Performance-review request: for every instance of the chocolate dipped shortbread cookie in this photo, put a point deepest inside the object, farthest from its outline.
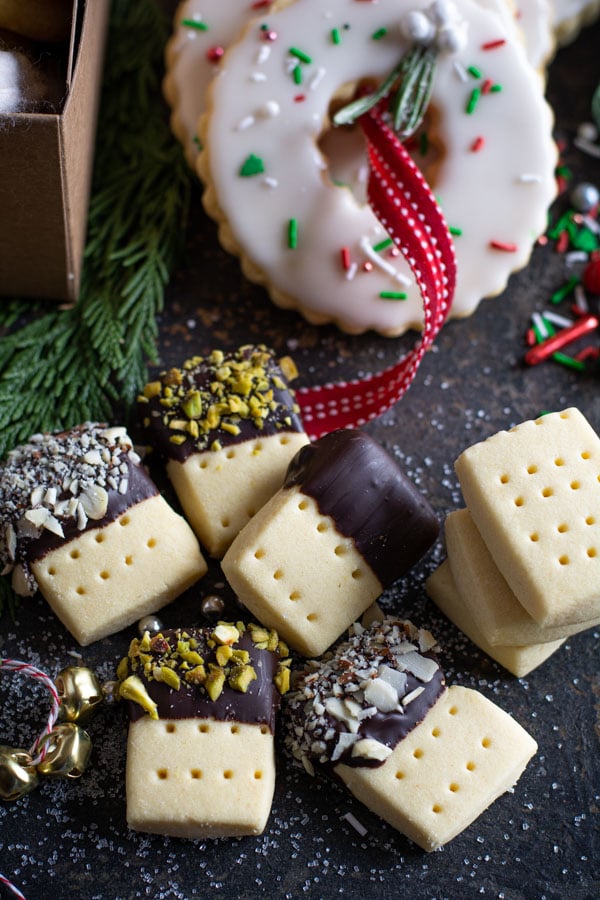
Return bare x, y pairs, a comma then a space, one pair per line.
377, 716
83, 522
345, 525
202, 708
227, 426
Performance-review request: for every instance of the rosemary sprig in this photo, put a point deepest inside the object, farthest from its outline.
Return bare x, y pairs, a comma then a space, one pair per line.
409, 86
62, 367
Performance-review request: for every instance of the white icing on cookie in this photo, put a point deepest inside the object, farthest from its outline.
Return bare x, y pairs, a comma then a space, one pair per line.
270, 106
202, 30
535, 19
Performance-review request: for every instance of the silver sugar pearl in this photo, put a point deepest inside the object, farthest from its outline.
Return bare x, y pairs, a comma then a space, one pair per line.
587, 131
151, 624
584, 196
212, 606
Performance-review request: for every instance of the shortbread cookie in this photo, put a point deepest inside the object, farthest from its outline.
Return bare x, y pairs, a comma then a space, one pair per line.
520, 660
570, 16
495, 610
345, 525
534, 495
202, 31
82, 521
317, 246
200, 752
377, 716
227, 426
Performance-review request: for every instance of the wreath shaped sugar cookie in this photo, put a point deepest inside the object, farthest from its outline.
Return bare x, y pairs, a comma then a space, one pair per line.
314, 243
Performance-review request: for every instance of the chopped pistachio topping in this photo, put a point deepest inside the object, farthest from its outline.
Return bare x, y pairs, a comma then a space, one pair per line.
218, 393
175, 659
132, 688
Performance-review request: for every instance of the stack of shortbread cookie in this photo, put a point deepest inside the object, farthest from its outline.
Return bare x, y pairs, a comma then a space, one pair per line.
523, 559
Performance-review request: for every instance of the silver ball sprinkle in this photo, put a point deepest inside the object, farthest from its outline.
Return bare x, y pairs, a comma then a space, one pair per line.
587, 131
212, 606
151, 624
585, 196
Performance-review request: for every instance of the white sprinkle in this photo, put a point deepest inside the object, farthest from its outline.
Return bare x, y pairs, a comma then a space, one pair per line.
353, 269
587, 146
263, 54
258, 76
460, 70
358, 826
270, 182
591, 224
245, 123
387, 267
529, 178
315, 80
540, 324
581, 301
576, 256
557, 319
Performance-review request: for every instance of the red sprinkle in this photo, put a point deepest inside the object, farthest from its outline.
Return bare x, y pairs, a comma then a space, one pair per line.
367, 266
563, 337
299, 98
477, 144
270, 35
214, 54
261, 4
487, 85
506, 246
562, 244
588, 353
493, 45
345, 255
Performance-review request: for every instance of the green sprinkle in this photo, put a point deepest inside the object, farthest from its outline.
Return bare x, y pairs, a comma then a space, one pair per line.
473, 100
297, 73
456, 232
383, 245
252, 165
393, 295
301, 55
293, 234
380, 33
495, 89
474, 71
423, 143
568, 361
336, 36
565, 290
194, 23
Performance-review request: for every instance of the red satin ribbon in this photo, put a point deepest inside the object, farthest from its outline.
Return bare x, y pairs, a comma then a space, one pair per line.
404, 204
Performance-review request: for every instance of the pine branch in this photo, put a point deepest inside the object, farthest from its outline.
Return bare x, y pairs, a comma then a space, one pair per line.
62, 367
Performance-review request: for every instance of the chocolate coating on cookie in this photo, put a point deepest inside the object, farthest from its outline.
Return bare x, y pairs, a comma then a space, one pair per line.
215, 401
353, 480
356, 705
58, 485
179, 651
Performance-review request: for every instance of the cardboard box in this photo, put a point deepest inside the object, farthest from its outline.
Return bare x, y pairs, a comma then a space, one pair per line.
45, 173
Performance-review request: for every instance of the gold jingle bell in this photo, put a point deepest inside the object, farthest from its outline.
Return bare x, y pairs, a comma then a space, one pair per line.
68, 749
17, 776
80, 693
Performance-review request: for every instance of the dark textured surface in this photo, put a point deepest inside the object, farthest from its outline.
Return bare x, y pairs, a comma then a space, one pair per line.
69, 840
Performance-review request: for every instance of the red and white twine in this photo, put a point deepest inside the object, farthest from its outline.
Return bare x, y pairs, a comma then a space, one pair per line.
36, 752
404, 204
